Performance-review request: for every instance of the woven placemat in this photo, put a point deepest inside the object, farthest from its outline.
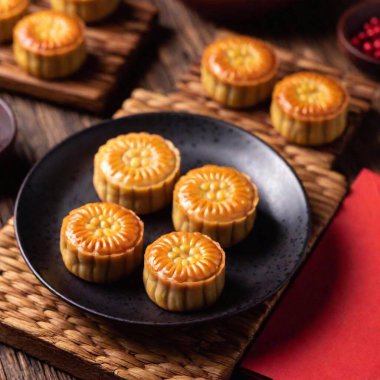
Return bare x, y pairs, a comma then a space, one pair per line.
33, 319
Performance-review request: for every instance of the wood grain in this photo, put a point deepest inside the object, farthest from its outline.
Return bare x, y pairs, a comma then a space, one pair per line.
180, 40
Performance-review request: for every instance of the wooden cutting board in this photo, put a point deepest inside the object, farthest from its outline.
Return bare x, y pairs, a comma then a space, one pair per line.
112, 48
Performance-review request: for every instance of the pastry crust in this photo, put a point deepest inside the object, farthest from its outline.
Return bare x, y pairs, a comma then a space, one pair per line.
49, 44
217, 201
88, 10
309, 108
101, 242
138, 171
10, 12
239, 71
184, 271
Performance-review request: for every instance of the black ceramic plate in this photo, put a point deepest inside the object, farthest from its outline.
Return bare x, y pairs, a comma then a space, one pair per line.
256, 268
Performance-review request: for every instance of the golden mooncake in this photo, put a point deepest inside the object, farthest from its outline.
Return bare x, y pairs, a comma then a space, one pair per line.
49, 44
309, 108
101, 242
137, 171
218, 201
238, 71
184, 271
88, 10
10, 12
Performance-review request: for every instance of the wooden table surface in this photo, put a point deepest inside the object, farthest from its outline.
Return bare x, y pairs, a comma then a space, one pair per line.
307, 27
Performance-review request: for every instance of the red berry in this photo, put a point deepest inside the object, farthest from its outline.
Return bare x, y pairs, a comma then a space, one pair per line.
355, 41
362, 36
370, 32
376, 54
376, 44
367, 26
376, 30
367, 46
374, 21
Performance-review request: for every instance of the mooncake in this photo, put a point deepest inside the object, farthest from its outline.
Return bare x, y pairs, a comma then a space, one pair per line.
217, 201
184, 271
138, 171
101, 242
49, 44
238, 71
88, 10
10, 12
309, 108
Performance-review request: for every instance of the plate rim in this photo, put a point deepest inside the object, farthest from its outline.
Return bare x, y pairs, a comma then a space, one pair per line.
125, 321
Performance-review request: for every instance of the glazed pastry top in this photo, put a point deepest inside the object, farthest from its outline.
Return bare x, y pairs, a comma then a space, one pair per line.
240, 60
8, 8
185, 257
138, 159
49, 32
309, 95
102, 228
216, 193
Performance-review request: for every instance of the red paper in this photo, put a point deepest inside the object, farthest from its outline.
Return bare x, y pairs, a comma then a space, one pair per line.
327, 326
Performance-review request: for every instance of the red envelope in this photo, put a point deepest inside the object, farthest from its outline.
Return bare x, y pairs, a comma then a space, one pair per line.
327, 326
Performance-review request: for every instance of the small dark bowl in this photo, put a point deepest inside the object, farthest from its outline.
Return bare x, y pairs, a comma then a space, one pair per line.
7, 129
349, 24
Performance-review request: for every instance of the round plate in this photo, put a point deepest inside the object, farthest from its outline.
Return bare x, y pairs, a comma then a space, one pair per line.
256, 268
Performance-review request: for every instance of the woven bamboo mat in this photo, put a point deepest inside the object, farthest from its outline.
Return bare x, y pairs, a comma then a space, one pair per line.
33, 319
112, 48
